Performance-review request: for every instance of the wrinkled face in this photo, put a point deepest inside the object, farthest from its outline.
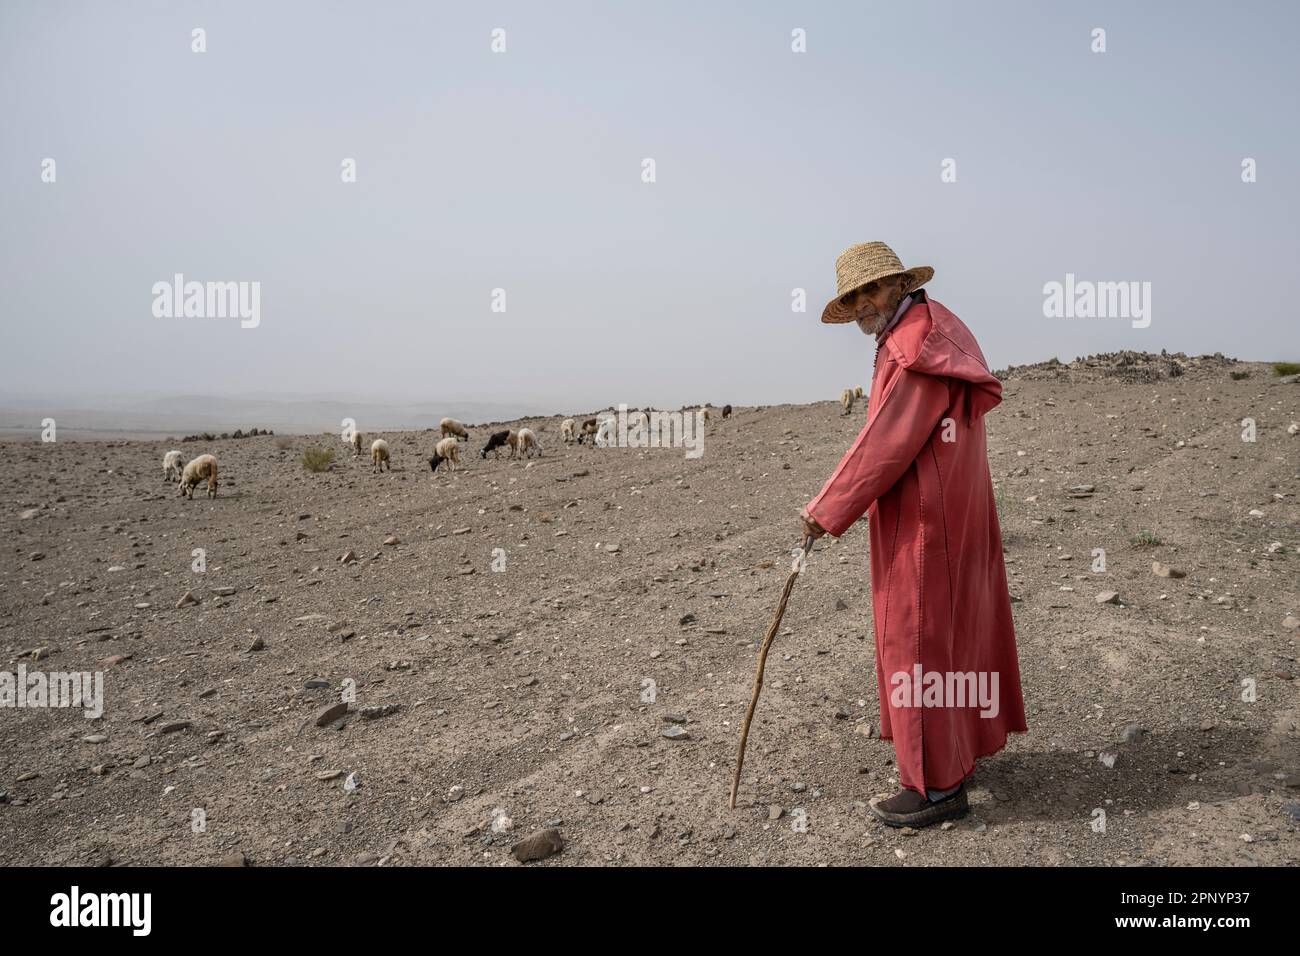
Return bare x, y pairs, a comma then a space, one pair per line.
873, 305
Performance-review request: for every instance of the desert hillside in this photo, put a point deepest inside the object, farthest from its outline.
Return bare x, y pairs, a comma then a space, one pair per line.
596, 683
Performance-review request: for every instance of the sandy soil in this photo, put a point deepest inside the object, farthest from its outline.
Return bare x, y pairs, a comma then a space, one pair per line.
520, 694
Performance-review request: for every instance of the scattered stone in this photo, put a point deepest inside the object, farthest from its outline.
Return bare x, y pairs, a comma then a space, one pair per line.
392, 539
187, 599
257, 645
330, 713
234, 859
1131, 732
349, 557
1108, 597
223, 592
1165, 571
774, 812
538, 846
675, 732
175, 726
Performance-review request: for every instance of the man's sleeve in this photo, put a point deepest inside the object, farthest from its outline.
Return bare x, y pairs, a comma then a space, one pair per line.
909, 412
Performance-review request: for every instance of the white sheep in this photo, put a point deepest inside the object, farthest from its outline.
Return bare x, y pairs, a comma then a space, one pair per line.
449, 426
568, 430
379, 455
846, 399
605, 432
528, 443
857, 391
448, 450
203, 467
172, 465
356, 444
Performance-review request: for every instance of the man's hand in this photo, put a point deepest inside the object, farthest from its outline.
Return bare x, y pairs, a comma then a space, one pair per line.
811, 529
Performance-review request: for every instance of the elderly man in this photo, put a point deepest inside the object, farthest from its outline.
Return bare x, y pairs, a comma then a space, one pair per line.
946, 667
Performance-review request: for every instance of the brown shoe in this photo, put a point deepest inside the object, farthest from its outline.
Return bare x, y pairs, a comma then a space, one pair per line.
907, 808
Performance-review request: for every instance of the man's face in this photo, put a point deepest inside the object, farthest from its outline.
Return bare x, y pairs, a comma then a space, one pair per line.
873, 305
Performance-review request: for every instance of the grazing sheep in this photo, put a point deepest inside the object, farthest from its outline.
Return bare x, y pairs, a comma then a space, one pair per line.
588, 429
356, 444
707, 412
379, 455
449, 426
203, 467
448, 450
496, 441
528, 443
726, 411
857, 392
568, 430
605, 435
846, 399
172, 465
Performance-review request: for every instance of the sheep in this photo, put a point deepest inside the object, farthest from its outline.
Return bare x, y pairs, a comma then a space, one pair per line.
172, 465
846, 399
588, 429
605, 436
528, 443
495, 443
379, 455
205, 466
448, 450
356, 444
707, 413
567, 430
726, 411
449, 426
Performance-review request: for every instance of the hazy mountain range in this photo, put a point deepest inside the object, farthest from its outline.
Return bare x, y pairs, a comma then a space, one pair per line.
181, 415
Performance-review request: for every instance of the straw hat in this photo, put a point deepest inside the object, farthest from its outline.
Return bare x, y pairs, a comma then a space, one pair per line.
859, 265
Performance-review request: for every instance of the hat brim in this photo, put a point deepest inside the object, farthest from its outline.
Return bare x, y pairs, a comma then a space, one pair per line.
837, 310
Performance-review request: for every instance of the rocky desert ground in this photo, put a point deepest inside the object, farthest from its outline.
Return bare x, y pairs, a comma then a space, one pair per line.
569, 643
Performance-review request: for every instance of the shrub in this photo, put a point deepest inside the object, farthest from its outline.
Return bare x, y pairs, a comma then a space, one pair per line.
1286, 368
284, 444
1147, 539
317, 459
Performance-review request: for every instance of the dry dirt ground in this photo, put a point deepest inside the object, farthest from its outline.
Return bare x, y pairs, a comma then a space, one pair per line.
522, 694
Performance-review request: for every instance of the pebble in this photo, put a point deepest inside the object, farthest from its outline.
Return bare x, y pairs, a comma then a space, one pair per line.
330, 713
187, 599
1108, 597
538, 846
676, 732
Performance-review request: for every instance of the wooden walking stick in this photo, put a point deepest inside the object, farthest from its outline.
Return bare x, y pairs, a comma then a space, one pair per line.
762, 660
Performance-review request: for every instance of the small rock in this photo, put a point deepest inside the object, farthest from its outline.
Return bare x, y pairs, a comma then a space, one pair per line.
330, 713
1108, 597
538, 846
187, 599
675, 732
1165, 571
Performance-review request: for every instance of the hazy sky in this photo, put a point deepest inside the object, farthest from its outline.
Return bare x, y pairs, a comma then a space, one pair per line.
523, 171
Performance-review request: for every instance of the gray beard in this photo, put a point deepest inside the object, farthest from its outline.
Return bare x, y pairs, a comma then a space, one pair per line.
872, 326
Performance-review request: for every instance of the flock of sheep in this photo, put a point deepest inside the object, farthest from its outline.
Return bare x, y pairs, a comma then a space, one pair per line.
522, 443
